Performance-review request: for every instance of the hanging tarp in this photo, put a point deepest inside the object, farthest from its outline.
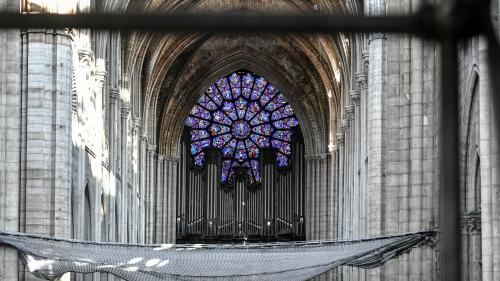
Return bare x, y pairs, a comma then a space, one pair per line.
50, 258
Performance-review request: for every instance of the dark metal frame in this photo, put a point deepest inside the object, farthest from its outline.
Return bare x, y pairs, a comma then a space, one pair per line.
448, 23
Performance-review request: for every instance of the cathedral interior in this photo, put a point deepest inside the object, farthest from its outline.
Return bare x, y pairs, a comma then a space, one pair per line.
148, 137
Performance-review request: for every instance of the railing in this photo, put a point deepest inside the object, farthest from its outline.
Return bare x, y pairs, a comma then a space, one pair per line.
447, 23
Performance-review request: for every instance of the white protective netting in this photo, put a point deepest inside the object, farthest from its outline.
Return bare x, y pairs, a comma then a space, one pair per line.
50, 258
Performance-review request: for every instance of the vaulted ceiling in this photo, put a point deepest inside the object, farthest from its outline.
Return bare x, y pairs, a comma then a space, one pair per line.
175, 68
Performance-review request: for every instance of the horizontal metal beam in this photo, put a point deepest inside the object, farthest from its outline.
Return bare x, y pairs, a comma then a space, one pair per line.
418, 24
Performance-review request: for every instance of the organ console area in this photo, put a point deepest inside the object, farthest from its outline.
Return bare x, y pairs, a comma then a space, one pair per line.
210, 211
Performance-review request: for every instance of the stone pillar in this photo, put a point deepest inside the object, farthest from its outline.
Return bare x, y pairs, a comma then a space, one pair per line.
341, 185
47, 132
114, 95
359, 98
10, 139
159, 200
136, 126
490, 171
142, 189
171, 172
150, 195
100, 79
124, 190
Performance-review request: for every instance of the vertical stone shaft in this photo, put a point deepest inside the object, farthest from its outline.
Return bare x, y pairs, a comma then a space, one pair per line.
10, 139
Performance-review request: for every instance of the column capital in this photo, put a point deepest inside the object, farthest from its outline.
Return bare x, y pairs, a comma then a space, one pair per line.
126, 109
152, 147
471, 222
136, 123
365, 55
344, 124
377, 36
100, 76
362, 79
340, 138
349, 110
355, 95
114, 93
85, 56
161, 157
144, 138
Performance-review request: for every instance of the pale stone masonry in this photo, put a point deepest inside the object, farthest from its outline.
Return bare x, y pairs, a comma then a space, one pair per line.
91, 125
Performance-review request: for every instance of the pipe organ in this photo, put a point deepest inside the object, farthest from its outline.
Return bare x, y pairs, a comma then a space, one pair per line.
209, 211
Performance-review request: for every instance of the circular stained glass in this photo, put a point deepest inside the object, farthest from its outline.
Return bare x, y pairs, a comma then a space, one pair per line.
241, 113
241, 129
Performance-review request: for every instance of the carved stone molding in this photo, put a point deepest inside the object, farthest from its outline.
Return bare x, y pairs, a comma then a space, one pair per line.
377, 36
340, 138
114, 93
355, 95
366, 59
471, 222
152, 149
160, 158
100, 77
344, 124
85, 56
349, 110
362, 79
136, 123
126, 109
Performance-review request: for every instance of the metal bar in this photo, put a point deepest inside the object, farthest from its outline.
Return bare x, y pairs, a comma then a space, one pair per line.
420, 23
449, 192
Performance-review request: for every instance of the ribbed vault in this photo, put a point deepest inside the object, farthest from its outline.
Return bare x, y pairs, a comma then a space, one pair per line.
176, 68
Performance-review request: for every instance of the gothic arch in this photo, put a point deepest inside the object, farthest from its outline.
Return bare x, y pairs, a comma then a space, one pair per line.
177, 112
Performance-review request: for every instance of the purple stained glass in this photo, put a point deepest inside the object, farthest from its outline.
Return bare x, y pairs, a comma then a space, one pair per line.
241, 113
199, 134
221, 117
283, 135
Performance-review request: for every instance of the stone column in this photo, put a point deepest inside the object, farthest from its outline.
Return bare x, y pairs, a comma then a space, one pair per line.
172, 168
124, 190
376, 87
136, 126
159, 200
150, 194
359, 97
341, 185
47, 132
10, 139
114, 95
142, 189
100, 79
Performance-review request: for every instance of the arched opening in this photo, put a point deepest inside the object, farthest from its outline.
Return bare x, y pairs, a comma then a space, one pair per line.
87, 221
242, 154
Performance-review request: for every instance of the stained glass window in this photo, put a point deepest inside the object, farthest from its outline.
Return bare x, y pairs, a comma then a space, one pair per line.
240, 114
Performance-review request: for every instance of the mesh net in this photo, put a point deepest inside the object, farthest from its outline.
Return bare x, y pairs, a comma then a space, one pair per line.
50, 258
